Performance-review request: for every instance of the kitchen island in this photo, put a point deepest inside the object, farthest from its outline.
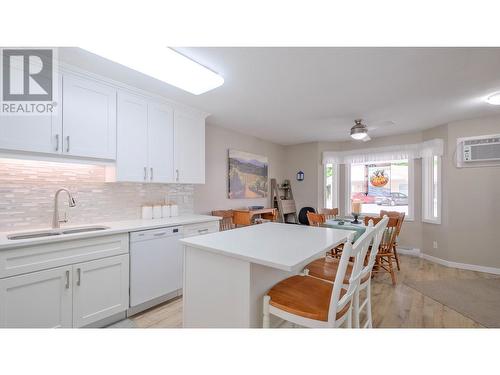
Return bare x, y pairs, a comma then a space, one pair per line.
226, 274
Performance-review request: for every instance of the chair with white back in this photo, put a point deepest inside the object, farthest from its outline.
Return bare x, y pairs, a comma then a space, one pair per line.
315, 303
366, 273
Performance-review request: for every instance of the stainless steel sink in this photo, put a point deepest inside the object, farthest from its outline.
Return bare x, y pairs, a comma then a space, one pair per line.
83, 229
25, 236
55, 232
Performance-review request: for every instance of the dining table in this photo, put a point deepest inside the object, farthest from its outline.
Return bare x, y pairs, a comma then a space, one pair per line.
346, 224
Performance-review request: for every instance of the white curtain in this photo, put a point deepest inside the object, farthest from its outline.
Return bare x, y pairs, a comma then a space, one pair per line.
434, 147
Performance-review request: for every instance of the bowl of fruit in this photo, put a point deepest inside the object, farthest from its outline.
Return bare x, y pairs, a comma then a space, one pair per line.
379, 179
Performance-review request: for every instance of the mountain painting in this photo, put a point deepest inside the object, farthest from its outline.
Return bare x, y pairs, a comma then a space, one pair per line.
247, 175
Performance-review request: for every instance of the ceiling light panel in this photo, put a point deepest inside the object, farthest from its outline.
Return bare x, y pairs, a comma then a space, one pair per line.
164, 64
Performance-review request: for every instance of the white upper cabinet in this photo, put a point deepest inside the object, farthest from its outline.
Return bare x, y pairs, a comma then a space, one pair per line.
145, 151
132, 139
89, 118
35, 133
161, 143
189, 148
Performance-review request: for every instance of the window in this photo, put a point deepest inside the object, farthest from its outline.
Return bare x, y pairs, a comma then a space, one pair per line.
381, 186
431, 189
331, 199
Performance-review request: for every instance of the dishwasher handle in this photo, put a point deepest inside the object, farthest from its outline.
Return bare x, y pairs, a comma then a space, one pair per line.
158, 233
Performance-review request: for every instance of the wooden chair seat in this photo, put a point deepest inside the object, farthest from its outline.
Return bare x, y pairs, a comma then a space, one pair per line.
326, 269
305, 296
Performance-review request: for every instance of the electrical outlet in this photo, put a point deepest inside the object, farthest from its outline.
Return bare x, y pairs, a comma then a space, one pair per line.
435, 244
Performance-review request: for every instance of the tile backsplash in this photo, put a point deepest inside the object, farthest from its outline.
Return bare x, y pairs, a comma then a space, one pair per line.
27, 194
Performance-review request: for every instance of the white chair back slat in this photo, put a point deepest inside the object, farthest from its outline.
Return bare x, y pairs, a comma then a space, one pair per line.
358, 251
379, 234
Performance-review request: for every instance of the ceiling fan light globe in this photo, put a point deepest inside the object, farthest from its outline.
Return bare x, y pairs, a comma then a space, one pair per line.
494, 99
358, 136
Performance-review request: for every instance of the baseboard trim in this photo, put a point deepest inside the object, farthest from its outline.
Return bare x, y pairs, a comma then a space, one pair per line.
414, 252
462, 266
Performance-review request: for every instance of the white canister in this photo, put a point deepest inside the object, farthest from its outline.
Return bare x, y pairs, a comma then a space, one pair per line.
174, 210
156, 211
165, 211
147, 212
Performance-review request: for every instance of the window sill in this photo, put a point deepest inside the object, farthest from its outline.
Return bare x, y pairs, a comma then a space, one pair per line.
429, 221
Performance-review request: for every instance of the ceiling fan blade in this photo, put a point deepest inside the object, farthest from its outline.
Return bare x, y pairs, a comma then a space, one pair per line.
381, 124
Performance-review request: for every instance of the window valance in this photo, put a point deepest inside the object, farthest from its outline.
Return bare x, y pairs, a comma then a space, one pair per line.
433, 147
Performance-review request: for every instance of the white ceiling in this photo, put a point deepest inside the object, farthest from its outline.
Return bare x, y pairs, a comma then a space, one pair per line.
295, 95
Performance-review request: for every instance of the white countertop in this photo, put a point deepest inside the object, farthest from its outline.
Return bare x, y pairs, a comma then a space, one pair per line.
114, 228
283, 246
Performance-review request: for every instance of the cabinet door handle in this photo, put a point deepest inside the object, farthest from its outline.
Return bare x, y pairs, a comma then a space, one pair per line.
151, 173
145, 173
67, 143
57, 142
67, 279
79, 275
202, 230
177, 175
160, 234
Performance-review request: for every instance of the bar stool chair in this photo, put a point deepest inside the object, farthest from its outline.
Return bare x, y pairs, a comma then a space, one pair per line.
315, 303
327, 269
366, 277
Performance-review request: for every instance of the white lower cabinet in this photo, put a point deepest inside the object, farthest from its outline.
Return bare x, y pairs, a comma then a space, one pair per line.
100, 289
69, 295
37, 300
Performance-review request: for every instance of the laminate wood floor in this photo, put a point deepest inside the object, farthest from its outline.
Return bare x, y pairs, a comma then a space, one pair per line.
393, 306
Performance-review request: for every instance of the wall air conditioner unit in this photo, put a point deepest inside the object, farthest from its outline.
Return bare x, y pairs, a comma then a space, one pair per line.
478, 151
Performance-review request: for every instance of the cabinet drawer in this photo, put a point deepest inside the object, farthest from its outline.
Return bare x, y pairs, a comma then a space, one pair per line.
201, 228
39, 257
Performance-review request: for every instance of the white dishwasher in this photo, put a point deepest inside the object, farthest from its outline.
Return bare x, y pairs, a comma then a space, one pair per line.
156, 264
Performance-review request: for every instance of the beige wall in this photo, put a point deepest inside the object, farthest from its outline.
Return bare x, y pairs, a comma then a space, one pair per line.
471, 202
304, 157
213, 195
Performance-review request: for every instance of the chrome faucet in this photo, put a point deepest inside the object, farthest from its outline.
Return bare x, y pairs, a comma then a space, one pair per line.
72, 203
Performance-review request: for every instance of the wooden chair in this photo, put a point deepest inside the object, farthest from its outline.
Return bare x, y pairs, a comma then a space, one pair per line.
315, 303
326, 269
227, 219
315, 219
395, 214
385, 254
329, 213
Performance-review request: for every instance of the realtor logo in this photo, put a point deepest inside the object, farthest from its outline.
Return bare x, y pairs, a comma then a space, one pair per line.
28, 81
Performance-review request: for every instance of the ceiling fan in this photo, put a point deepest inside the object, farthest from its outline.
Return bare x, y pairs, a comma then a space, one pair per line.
359, 131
